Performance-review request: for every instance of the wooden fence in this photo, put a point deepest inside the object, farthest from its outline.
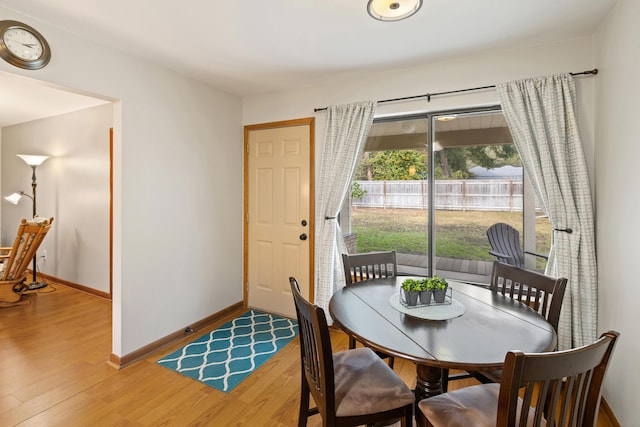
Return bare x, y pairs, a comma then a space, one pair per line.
469, 194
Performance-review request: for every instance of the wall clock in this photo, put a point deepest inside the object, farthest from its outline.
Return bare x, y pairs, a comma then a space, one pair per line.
23, 46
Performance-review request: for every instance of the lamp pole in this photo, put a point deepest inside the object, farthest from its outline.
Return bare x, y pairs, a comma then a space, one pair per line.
34, 283
34, 162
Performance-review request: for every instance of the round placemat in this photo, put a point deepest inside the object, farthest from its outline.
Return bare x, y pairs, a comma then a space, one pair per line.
430, 312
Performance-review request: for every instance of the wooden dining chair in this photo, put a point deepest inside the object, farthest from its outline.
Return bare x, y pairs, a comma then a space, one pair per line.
367, 266
542, 293
350, 388
535, 388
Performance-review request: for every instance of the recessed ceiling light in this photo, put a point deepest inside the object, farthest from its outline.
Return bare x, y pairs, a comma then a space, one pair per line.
446, 118
393, 10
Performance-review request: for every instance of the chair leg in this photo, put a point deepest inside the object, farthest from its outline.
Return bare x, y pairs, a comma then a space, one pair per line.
421, 420
408, 418
445, 379
304, 403
391, 361
352, 343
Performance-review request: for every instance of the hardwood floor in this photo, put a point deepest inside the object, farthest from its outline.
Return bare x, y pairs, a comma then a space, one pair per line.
55, 373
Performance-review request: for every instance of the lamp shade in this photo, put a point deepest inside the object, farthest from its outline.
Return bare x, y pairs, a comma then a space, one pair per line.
32, 160
393, 10
14, 198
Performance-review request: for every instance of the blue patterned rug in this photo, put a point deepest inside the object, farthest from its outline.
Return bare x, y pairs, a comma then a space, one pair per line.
227, 355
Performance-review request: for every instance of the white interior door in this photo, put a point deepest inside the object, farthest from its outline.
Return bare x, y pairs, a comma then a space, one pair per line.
279, 234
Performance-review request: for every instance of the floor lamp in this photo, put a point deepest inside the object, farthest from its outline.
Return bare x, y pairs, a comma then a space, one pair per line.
34, 162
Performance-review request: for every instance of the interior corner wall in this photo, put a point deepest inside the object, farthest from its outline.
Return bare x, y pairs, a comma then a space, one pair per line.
618, 200
72, 187
178, 185
497, 66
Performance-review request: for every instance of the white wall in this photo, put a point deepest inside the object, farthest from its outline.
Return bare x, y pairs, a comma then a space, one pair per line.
73, 187
482, 69
618, 236
618, 200
178, 168
2, 233
177, 186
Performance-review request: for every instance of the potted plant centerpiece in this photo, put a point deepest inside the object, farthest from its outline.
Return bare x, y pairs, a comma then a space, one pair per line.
411, 289
439, 287
424, 291
415, 289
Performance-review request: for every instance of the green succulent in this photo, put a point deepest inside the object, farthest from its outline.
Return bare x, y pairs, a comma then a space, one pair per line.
414, 285
410, 285
437, 283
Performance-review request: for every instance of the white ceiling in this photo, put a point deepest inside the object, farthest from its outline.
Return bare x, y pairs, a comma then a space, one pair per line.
254, 46
25, 99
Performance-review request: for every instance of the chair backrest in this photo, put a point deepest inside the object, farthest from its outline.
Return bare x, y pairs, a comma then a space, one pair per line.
28, 238
542, 293
370, 265
315, 352
505, 244
564, 385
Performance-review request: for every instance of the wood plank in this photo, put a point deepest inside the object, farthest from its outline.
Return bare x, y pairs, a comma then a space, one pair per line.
55, 373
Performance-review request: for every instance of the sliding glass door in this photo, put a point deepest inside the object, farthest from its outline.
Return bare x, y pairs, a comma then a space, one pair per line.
429, 186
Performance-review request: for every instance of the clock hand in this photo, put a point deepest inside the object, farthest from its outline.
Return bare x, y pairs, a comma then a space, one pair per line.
30, 45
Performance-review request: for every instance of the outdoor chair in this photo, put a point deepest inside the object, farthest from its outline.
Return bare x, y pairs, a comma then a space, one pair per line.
536, 388
28, 238
542, 293
505, 245
350, 388
367, 266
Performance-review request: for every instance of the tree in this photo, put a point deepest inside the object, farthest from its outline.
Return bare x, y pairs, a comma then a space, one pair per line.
455, 162
449, 163
493, 156
392, 165
357, 192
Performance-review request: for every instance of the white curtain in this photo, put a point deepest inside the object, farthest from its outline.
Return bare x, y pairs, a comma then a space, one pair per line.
541, 115
347, 129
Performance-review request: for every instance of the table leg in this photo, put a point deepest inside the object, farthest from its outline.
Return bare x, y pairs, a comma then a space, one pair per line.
428, 382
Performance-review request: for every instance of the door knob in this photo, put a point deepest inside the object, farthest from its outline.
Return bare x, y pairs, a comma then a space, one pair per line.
303, 236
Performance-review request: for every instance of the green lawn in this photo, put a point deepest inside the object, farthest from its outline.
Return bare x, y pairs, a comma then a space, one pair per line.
459, 234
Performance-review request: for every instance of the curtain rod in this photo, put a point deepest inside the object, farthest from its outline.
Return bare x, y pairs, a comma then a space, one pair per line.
429, 95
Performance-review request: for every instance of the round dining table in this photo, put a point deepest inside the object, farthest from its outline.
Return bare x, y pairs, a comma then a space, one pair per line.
489, 326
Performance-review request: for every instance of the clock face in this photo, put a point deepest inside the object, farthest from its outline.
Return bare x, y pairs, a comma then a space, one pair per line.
23, 46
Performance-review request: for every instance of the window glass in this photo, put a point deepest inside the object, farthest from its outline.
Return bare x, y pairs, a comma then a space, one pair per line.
429, 187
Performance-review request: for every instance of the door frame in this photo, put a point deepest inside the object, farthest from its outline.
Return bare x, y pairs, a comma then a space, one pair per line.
111, 213
309, 121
